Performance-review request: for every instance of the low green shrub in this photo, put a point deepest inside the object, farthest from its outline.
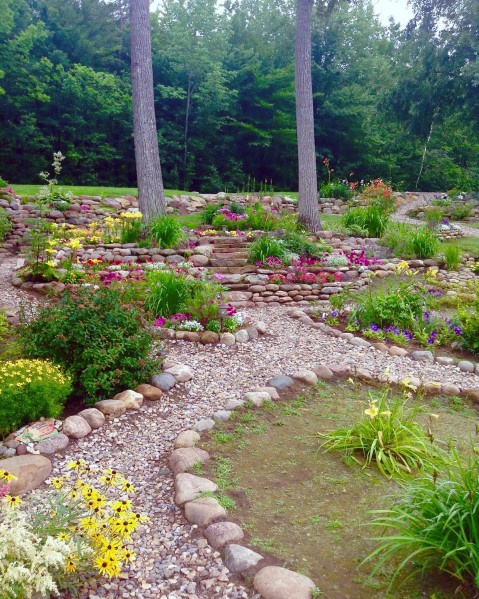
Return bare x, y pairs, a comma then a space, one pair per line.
435, 525
166, 231
30, 389
433, 216
203, 304
297, 243
469, 322
452, 256
335, 189
101, 341
424, 243
398, 238
372, 219
264, 247
167, 292
461, 212
209, 212
400, 306
5, 224
388, 435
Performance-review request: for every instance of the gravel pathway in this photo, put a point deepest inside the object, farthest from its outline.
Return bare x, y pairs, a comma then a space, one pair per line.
173, 560
424, 199
11, 298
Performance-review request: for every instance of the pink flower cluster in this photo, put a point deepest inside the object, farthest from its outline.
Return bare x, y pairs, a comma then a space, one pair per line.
361, 259
232, 215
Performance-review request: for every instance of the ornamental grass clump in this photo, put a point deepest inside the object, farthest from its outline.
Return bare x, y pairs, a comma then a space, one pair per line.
435, 526
167, 292
388, 435
265, 247
102, 341
30, 389
166, 231
82, 528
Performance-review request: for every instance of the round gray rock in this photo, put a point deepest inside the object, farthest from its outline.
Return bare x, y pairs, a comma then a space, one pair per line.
222, 415
204, 511
187, 439
94, 417
238, 558
274, 582
281, 382
466, 366
186, 457
189, 487
257, 398
76, 427
204, 425
422, 356
164, 381
111, 407
220, 534
53, 444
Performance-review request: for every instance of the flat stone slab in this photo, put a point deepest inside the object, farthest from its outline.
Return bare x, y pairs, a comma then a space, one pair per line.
31, 471
186, 457
281, 382
274, 582
238, 558
187, 439
222, 533
189, 487
204, 511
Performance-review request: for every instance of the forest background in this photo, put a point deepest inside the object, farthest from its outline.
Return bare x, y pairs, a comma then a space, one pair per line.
224, 94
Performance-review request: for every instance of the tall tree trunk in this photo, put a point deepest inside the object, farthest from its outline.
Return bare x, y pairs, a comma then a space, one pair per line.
423, 159
308, 184
185, 138
151, 195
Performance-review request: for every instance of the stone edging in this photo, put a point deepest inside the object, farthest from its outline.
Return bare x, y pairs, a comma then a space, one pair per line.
392, 350
209, 515
243, 335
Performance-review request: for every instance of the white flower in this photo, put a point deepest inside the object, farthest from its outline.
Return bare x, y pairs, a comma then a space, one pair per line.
192, 325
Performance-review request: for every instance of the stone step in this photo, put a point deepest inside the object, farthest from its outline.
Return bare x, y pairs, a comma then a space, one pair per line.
234, 269
229, 255
228, 262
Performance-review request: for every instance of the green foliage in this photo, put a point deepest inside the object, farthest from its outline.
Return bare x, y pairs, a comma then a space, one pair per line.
30, 389
469, 321
202, 305
335, 189
371, 219
424, 243
452, 256
266, 246
5, 224
387, 435
167, 292
166, 231
209, 212
297, 243
434, 526
408, 242
433, 217
399, 306
101, 341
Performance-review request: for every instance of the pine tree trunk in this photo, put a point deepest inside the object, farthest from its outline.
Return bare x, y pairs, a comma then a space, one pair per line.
307, 178
151, 195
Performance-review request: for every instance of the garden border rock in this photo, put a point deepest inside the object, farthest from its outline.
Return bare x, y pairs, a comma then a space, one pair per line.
214, 517
392, 350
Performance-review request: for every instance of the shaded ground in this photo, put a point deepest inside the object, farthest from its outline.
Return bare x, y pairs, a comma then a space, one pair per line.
310, 508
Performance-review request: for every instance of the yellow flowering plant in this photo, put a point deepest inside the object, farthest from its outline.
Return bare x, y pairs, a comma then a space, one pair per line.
387, 434
89, 518
30, 389
131, 225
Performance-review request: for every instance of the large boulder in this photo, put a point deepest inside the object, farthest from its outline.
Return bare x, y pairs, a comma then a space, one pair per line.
31, 471
76, 427
274, 582
189, 487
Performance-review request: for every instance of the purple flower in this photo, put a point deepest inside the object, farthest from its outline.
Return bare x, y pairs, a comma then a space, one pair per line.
219, 277
458, 330
84, 207
159, 322
426, 315
408, 335
374, 327
333, 314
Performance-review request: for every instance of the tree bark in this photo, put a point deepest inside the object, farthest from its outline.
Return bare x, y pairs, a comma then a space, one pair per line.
307, 177
151, 195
